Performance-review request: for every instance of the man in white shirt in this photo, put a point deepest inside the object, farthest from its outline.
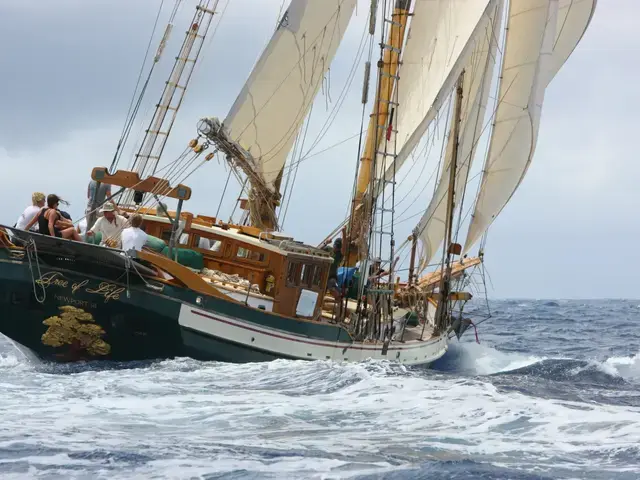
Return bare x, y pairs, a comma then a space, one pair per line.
31, 211
133, 237
110, 225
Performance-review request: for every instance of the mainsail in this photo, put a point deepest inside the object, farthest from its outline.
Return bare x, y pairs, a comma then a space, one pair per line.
278, 94
476, 86
439, 44
540, 37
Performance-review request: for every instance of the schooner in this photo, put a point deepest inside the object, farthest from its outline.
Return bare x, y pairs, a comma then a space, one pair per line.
243, 290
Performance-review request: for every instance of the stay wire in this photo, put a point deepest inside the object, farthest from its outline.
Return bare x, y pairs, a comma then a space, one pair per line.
131, 116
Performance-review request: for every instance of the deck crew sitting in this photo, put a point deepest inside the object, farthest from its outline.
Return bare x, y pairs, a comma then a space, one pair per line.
133, 237
30, 212
110, 225
52, 222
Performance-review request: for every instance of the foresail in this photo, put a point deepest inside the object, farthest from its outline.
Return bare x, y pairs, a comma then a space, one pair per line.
438, 46
276, 98
574, 17
475, 91
540, 37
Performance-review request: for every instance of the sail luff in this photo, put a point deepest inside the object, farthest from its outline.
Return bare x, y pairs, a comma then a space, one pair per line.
514, 137
480, 65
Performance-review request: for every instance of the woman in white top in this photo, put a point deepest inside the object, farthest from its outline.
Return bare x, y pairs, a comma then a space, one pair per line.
30, 212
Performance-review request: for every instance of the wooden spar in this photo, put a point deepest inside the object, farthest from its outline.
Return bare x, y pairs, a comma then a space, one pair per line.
387, 76
443, 306
433, 278
158, 186
412, 261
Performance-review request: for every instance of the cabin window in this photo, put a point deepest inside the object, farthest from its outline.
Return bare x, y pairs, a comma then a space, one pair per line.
252, 255
166, 235
201, 242
212, 245
292, 274
306, 275
215, 246
317, 276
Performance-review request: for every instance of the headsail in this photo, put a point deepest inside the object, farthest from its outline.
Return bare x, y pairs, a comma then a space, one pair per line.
477, 81
541, 35
276, 98
439, 43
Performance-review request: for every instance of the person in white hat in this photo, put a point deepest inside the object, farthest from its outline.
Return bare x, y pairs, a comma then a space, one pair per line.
110, 225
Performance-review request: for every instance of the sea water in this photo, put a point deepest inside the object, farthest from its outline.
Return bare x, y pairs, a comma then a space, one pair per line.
551, 391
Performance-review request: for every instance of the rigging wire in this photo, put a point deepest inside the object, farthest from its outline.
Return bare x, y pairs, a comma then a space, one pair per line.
224, 190
131, 115
294, 164
312, 44
295, 174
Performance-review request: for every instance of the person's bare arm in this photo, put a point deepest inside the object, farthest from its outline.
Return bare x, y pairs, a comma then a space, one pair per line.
95, 227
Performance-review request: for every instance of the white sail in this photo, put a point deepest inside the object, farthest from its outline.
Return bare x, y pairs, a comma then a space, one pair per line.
541, 35
476, 87
276, 98
438, 46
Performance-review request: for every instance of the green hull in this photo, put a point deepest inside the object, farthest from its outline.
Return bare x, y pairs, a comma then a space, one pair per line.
71, 311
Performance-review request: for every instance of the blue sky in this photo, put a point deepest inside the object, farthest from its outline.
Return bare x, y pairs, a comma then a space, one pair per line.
67, 83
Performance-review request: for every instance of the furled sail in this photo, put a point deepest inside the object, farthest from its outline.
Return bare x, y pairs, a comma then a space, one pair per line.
476, 87
276, 98
439, 43
540, 37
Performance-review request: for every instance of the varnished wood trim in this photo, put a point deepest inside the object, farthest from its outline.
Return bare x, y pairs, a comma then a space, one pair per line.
123, 178
191, 280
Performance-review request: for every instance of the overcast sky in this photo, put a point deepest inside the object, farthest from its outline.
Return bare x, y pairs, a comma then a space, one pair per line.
69, 68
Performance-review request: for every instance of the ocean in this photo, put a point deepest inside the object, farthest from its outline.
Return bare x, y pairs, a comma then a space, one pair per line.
552, 391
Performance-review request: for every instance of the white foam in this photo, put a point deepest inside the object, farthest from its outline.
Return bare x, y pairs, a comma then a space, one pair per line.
483, 359
8, 360
626, 367
306, 419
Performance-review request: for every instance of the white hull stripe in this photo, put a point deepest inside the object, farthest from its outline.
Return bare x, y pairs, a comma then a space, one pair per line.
280, 343
297, 338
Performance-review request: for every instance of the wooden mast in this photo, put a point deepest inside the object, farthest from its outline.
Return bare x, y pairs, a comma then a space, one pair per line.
445, 280
378, 122
412, 261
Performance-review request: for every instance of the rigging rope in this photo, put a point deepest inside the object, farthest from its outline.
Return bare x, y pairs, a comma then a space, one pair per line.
131, 114
224, 190
31, 245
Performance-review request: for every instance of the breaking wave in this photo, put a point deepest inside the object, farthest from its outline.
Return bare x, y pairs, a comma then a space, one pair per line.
522, 404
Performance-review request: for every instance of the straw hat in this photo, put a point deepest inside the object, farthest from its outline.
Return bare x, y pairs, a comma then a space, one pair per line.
108, 207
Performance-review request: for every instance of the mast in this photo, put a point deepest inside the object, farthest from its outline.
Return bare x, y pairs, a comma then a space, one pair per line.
379, 123
442, 310
412, 262
156, 135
